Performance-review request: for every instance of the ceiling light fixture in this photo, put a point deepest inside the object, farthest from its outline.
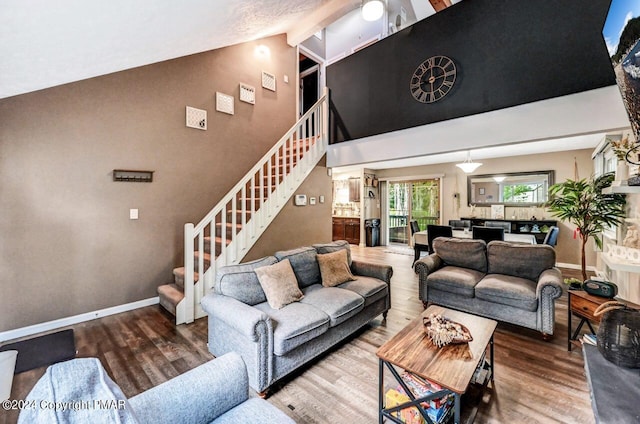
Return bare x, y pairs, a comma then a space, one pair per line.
468, 166
372, 10
499, 179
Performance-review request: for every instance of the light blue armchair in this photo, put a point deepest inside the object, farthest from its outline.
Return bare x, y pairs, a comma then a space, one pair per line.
80, 391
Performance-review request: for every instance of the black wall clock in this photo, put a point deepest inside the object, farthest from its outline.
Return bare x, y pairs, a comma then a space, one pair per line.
433, 79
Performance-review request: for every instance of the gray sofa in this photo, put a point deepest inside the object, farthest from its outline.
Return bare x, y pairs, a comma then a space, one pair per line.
80, 391
276, 342
515, 283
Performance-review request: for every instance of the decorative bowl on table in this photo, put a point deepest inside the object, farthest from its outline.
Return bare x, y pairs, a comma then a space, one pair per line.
443, 331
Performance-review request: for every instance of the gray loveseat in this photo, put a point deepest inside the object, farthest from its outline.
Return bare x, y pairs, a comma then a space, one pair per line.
275, 342
509, 282
80, 391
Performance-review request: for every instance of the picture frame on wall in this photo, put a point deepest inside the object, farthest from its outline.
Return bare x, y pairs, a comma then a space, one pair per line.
497, 211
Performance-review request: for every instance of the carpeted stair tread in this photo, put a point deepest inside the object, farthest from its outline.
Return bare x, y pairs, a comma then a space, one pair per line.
170, 296
178, 276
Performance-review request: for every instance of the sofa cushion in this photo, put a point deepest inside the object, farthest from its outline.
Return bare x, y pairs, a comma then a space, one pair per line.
339, 304
294, 325
371, 289
241, 281
508, 290
454, 279
279, 284
466, 253
334, 268
323, 248
253, 411
75, 381
520, 260
304, 263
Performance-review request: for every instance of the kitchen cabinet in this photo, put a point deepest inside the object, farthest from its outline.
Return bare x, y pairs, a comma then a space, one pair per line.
346, 229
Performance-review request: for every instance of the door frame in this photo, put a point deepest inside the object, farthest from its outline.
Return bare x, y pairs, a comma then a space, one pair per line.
385, 205
322, 81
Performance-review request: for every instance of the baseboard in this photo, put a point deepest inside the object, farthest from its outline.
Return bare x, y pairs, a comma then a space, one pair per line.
64, 322
575, 266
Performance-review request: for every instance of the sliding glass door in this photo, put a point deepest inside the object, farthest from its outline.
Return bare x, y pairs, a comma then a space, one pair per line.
411, 200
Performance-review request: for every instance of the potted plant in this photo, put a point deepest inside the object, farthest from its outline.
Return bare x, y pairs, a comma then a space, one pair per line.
573, 283
620, 149
583, 204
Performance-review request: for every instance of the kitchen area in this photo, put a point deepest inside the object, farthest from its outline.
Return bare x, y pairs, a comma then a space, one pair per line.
356, 208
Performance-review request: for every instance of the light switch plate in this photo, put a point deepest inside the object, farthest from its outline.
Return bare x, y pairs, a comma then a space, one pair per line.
133, 213
312, 200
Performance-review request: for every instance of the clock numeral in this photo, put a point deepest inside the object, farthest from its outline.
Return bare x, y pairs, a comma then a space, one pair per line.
433, 79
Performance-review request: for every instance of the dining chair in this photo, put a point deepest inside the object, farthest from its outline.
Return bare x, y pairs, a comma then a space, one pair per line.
459, 224
434, 231
488, 233
415, 227
499, 224
417, 247
552, 236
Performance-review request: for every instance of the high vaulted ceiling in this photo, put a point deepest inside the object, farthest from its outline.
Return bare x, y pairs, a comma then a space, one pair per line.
44, 43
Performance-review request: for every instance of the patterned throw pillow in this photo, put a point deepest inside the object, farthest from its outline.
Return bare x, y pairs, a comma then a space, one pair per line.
279, 284
334, 268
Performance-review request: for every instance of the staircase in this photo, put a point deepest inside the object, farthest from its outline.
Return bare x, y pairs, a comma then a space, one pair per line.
230, 229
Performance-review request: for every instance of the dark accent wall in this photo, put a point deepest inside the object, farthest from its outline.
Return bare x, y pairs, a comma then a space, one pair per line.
507, 53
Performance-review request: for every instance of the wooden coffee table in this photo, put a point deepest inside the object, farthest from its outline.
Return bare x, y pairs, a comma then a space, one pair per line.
451, 366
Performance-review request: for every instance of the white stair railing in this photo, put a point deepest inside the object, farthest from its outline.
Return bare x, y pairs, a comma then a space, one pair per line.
232, 227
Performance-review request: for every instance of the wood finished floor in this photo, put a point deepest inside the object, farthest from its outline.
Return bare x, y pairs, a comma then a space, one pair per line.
536, 381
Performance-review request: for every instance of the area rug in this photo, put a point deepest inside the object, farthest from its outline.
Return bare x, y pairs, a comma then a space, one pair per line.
43, 351
400, 251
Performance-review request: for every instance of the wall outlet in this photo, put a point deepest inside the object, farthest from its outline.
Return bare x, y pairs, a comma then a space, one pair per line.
133, 213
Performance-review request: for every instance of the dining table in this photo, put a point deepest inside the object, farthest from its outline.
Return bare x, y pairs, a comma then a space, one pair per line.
420, 237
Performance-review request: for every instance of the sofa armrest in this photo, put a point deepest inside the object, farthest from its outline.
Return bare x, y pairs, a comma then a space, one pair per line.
549, 284
423, 267
242, 317
366, 269
197, 396
381, 272
548, 290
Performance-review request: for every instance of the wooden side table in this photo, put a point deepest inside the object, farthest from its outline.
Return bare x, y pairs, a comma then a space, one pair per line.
583, 305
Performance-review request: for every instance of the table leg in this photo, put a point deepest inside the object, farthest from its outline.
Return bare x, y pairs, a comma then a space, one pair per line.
380, 390
456, 408
569, 325
491, 353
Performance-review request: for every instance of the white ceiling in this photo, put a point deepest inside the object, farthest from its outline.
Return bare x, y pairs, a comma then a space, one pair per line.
45, 43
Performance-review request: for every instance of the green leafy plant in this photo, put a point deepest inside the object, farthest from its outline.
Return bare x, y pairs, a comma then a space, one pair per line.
583, 204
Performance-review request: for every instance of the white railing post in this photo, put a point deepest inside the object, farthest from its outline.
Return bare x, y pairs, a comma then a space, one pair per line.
298, 151
189, 297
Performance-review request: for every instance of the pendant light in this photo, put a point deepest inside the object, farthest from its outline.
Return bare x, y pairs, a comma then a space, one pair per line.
468, 166
372, 10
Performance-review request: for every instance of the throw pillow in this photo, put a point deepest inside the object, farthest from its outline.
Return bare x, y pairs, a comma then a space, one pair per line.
334, 268
279, 284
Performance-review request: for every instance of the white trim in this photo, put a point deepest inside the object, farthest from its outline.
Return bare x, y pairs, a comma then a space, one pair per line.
575, 266
413, 177
64, 322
